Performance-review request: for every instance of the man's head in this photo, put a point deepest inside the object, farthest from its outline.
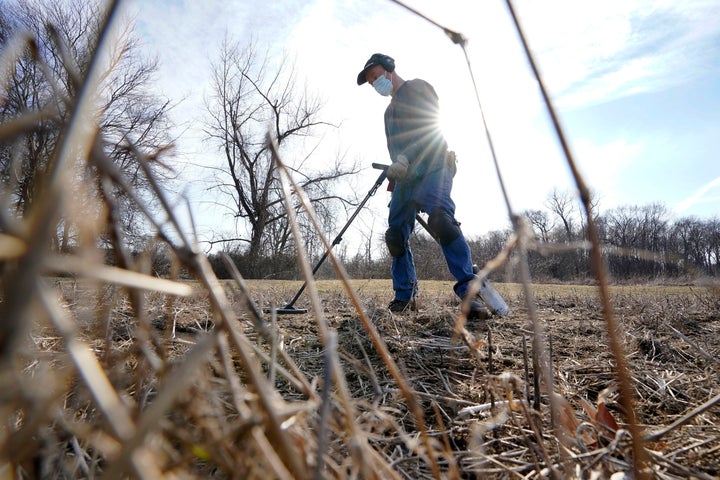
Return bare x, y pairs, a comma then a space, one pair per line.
377, 65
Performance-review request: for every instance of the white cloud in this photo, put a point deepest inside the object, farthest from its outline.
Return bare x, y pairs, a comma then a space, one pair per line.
594, 52
699, 197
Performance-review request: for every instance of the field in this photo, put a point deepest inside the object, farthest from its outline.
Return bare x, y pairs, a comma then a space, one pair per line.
108, 369
207, 399
670, 336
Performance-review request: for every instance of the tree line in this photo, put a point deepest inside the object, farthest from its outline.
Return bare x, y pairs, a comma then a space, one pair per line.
640, 243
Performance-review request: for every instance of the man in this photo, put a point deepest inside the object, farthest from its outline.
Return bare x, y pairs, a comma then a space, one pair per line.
422, 172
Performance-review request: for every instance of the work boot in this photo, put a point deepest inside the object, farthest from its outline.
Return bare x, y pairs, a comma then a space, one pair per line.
477, 311
400, 306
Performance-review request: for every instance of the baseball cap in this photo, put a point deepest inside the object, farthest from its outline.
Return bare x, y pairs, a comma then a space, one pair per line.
387, 62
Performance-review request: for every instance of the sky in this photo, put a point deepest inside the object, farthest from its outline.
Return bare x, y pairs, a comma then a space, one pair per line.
636, 84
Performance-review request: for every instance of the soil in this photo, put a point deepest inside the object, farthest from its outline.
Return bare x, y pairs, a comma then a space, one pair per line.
669, 338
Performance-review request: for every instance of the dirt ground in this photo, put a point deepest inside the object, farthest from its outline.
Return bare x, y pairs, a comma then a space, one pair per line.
480, 407
670, 336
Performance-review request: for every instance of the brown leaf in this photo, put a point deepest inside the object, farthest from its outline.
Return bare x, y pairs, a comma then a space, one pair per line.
590, 410
605, 419
566, 420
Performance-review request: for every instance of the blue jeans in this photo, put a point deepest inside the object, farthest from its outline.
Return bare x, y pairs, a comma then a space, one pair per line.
409, 198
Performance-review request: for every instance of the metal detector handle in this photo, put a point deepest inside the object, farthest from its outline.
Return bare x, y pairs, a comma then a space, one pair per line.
381, 178
338, 238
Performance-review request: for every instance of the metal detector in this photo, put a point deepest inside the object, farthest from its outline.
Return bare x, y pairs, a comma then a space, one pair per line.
290, 307
487, 292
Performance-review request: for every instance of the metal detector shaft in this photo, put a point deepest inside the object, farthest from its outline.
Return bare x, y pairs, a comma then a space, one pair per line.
338, 238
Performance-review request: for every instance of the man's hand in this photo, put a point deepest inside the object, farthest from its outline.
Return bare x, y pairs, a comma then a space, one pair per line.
399, 169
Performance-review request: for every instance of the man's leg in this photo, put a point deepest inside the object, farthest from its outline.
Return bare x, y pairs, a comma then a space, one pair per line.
401, 219
434, 198
403, 266
441, 210
454, 248
458, 258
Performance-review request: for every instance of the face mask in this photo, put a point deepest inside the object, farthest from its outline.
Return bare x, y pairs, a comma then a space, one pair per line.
383, 85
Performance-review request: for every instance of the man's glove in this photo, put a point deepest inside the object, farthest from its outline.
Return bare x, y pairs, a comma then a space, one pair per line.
399, 169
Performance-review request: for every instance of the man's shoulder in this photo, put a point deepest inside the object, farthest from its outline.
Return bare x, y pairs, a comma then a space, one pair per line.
418, 85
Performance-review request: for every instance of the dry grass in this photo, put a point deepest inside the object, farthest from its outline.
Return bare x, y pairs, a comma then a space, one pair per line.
216, 425
111, 372
476, 390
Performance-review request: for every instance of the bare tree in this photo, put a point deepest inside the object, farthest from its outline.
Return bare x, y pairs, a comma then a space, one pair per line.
713, 235
641, 234
249, 96
541, 223
562, 204
573, 262
624, 231
691, 239
45, 78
